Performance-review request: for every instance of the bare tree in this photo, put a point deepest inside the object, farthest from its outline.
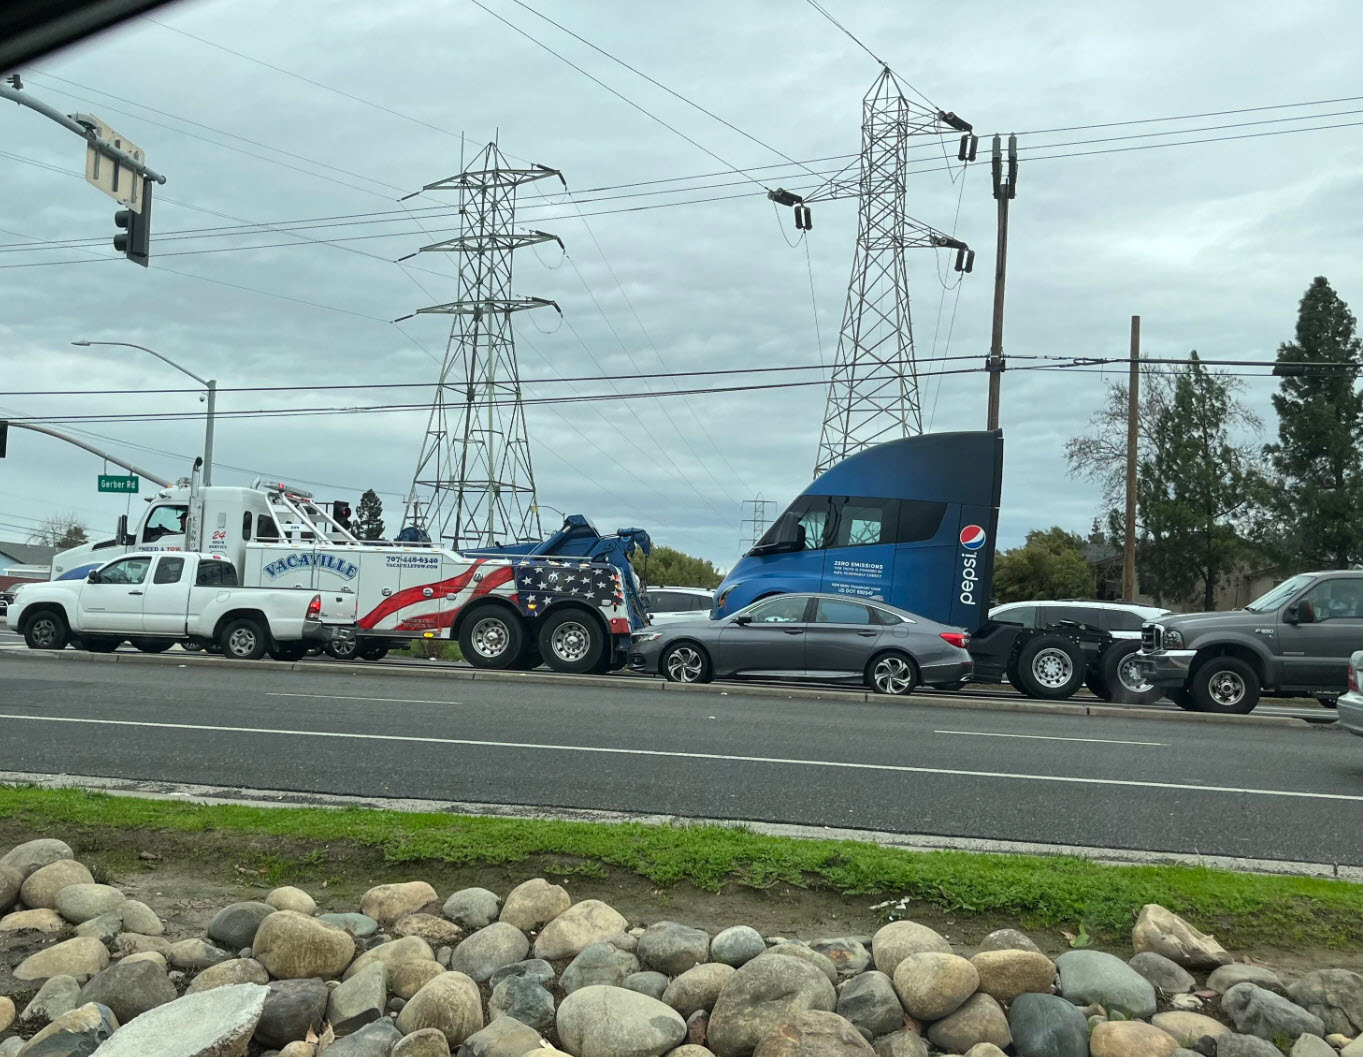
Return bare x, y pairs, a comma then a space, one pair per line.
1100, 454
60, 531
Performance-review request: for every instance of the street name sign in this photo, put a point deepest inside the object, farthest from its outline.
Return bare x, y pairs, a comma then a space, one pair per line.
109, 482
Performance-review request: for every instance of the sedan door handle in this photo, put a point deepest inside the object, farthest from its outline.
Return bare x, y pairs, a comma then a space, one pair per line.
794, 631
868, 634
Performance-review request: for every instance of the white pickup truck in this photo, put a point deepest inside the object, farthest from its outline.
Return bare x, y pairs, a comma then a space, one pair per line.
156, 600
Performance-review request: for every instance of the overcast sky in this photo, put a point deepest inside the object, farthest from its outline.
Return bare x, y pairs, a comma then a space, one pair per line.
1212, 244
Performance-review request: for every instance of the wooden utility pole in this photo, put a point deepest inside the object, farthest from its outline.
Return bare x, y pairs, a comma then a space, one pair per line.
1133, 406
1004, 191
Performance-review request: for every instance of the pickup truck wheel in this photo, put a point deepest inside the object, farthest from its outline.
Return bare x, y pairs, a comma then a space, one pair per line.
372, 651
491, 637
342, 649
1050, 667
1123, 678
572, 641
46, 630
1327, 702
244, 640
288, 651
153, 645
1225, 685
100, 644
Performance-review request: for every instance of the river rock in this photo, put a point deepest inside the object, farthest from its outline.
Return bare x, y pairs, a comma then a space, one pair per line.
140, 918
450, 1002
234, 926
361, 926
670, 948
599, 963
1311, 1046
1164, 932
195, 955
126, 943
407, 978
522, 999
103, 928
428, 1042
1255, 1011
533, 904
387, 904
897, 940
689, 1050
806, 954
1165, 975
868, 1001
392, 954
980, 1019
373, 1040
35, 854
901, 1044
697, 988
647, 983
81, 957
1046, 1025
1187, 1028
472, 908
931, 984
290, 898
42, 920
7, 1013
848, 955
224, 974
1334, 995
40, 888
1226, 977
737, 945
601, 1021
814, 1033
293, 946
216, 1023
581, 924
292, 1008
359, 1000
436, 931
1009, 940
58, 995
504, 1037
129, 989
761, 996
1230, 1044
1007, 974
82, 902
1130, 1038
536, 969
74, 1034
1087, 977
489, 949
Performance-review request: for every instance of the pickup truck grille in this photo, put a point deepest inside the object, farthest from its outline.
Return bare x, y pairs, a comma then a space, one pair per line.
1152, 637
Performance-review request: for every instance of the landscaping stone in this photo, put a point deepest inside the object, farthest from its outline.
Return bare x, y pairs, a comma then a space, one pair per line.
42, 920
387, 904
737, 945
806, 954
1226, 977
234, 926
1256, 1011
671, 948
373, 1040
81, 957
1044, 1025
103, 928
536, 969
1187, 1028
814, 1033
392, 954
291, 898
224, 974
849, 956
450, 1002
293, 946
1009, 940
74, 1034
58, 995
504, 1037
11, 1046
1007, 974
689, 1050
1164, 974
207, 1024
647, 983
298, 1048
472, 908
581, 924
897, 940
361, 926
7, 1013
901, 1044
436, 931
522, 999
1334, 995
428, 1042
291, 1008
533, 904
984, 1049
34, 854
599, 963
407, 978
1092, 976
489, 949
697, 988
932, 985
601, 1021
980, 1019
195, 955
140, 918
82, 902
1164, 932
1230, 1044
870, 1004
126, 943
40, 888
359, 1000
762, 995
1312, 1046
129, 989
1130, 1038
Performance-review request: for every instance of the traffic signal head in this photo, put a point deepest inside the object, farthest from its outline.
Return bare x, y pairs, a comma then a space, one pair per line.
340, 512
135, 243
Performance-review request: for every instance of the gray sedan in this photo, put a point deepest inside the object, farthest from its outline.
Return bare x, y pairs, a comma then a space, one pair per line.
823, 637
1350, 703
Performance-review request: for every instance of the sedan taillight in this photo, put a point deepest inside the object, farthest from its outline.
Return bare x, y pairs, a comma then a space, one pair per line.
959, 639
1353, 678
315, 608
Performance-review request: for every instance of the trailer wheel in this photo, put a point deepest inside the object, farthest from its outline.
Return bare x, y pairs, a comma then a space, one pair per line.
100, 643
153, 645
46, 630
491, 637
244, 640
571, 640
373, 651
1124, 682
1225, 685
1050, 667
288, 651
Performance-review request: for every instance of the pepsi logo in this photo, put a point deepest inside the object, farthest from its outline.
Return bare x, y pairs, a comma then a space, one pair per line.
972, 537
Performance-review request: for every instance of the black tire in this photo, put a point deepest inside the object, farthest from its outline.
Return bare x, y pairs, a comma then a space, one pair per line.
244, 639
892, 673
1095, 682
572, 640
1014, 679
100, 643
342, 649
686, 662
46, 630
288, 651
372, 651
491, 636
1183, 699
1226, 686
959, 684
1050, 667
194, 645
1124, 686
153, 645
529, 659
1327, 702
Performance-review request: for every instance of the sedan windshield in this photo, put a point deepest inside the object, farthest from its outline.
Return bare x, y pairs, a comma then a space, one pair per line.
1280, 594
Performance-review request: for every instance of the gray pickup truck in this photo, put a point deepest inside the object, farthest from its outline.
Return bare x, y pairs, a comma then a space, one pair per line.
1294, 641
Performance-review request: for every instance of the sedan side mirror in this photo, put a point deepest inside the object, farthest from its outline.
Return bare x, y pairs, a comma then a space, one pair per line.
743, 618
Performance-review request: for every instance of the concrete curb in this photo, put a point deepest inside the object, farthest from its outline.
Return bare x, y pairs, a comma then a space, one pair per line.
1063, 708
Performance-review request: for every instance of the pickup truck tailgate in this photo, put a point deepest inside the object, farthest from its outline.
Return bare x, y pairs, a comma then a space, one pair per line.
338, 607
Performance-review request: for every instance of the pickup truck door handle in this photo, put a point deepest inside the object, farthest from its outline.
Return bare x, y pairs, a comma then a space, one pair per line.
134, 592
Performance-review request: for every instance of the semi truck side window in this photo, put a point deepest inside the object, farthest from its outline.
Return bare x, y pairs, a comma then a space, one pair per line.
863, 522
266, 529
810, 512
919, 519
166, 520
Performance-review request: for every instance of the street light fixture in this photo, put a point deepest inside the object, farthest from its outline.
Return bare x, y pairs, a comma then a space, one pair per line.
210, 384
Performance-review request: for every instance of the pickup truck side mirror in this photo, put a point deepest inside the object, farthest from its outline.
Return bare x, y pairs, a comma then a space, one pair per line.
1300, 613
93, 578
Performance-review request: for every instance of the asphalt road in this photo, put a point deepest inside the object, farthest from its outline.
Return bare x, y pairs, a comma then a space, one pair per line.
1141, 783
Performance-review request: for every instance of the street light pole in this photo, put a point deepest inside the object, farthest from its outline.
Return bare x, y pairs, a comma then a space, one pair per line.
210, 384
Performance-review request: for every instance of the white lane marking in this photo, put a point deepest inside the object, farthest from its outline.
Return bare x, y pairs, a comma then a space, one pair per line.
1045, 737
719, 757
376, 700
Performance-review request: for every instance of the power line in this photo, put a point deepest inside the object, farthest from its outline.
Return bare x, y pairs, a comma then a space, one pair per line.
850, 35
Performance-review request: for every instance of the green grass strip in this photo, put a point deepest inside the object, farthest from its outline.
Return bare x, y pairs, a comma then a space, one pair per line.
1243, 910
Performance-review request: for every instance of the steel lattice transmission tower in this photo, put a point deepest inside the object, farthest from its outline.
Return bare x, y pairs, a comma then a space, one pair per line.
873, 394
474, 483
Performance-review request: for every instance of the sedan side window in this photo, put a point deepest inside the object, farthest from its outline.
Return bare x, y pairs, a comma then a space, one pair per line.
835, 611
787, 609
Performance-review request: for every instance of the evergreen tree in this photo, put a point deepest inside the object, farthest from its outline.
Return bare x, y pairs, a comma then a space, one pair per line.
669, 567
369, 519
1050, 565
1318, 461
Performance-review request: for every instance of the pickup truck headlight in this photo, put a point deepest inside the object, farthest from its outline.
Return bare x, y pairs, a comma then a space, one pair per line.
1173, 639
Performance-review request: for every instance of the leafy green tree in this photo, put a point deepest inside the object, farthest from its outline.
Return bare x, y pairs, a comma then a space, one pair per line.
1050, 565
369, 517
671, 567
1317, 492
